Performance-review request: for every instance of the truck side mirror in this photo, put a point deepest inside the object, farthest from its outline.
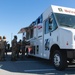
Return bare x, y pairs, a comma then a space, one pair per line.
50, 27
50, 20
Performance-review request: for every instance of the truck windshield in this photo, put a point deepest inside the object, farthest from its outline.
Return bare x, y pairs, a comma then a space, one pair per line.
65, 20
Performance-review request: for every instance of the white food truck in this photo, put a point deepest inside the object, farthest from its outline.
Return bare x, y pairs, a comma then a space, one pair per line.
52, 36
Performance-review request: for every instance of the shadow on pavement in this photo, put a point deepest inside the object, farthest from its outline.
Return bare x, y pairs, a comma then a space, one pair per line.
32, 65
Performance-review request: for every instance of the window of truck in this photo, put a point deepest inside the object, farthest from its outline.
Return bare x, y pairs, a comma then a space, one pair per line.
65, 20
49, 27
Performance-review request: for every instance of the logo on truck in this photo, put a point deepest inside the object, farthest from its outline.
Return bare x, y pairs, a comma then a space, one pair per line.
47, 42
60, 9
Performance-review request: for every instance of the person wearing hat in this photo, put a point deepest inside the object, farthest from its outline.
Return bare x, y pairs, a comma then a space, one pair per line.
14, 48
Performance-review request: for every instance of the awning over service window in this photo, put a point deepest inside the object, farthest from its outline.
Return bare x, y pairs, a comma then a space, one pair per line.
26, 29
22, 30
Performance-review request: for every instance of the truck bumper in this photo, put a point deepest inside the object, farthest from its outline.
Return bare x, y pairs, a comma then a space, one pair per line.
71, 54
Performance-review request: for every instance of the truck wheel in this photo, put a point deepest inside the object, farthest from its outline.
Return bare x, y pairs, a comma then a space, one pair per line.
59, 60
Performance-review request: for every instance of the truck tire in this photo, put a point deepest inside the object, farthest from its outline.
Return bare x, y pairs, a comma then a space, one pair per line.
59, 60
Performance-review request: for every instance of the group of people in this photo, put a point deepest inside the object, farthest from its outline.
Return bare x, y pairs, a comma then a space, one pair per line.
18, 47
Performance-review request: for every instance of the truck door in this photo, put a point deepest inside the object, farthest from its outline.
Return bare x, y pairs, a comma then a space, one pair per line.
49, 33
47, 38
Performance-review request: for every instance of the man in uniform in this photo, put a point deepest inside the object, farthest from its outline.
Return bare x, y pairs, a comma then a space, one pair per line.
4, 48
19, 44
23, 47
1, 49
14, 48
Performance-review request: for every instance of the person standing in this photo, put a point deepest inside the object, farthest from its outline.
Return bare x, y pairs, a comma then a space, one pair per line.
23, 47
14, 49
4, 48
1, 49
19, 44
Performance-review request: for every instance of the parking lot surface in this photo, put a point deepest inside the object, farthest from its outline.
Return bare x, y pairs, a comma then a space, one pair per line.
32, 66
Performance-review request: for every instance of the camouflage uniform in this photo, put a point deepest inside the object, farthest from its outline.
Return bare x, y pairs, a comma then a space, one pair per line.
23, 47
14, 48
4, 48
1, 49
19, 47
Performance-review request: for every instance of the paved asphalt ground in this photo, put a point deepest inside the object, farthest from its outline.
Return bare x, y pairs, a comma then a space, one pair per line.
31, 66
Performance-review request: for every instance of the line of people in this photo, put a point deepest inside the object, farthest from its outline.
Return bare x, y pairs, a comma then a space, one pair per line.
18, 47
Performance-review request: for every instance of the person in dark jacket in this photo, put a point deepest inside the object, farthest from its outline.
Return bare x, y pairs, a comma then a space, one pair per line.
1, 49
19, 44
5, 44
14, 49
23, 47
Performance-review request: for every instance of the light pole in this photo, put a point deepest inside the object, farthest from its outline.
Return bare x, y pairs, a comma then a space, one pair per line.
11, 36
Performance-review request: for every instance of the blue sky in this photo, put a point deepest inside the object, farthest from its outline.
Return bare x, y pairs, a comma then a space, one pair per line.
16, 14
